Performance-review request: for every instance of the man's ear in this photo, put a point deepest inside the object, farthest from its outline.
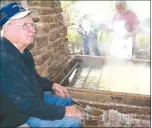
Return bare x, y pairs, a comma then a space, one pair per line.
7, 29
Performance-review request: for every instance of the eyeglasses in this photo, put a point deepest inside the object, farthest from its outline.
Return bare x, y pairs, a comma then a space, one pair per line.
27, 26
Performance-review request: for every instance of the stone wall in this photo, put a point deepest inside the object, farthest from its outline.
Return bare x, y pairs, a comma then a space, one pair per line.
50, 49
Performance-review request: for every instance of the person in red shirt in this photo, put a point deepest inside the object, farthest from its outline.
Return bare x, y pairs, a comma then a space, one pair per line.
131, 22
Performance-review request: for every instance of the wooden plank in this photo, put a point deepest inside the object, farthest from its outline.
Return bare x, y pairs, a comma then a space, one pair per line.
122, 108
99, 59
110, 97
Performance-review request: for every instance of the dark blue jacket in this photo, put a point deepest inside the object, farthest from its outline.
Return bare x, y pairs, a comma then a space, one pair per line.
21, 89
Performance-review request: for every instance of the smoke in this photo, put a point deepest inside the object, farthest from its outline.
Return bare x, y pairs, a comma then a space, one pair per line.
124, 75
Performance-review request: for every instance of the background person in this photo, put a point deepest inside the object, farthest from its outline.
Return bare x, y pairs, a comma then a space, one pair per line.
131, 23
88, 32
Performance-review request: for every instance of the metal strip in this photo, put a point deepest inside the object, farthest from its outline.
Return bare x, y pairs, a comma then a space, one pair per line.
100, 76
86, 77
69, 73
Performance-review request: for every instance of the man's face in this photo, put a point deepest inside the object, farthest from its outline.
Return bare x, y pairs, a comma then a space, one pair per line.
119, 8
24, 30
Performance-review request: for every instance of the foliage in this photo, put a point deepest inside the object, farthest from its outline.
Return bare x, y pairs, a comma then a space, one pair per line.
73, 12
73, 35
67, 4
104, 37
143, 40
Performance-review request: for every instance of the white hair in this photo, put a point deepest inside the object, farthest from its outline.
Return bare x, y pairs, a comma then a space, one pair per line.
2, 33
122, 2
2, 29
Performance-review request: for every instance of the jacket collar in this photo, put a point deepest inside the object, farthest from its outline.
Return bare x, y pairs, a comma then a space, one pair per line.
6, 45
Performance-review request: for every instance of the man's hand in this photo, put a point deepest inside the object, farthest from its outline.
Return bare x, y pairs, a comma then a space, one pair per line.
73, 111
60, 90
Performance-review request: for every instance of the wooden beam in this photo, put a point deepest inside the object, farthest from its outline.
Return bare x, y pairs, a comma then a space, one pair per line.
106, 59
136, 102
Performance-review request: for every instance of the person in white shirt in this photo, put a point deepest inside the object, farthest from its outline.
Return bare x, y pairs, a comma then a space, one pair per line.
87, 31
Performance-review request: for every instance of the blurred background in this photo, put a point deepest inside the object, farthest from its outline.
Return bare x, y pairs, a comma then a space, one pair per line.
101, 12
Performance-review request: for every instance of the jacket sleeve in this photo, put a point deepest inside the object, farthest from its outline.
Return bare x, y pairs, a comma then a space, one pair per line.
44, 83
134, 21
16, 86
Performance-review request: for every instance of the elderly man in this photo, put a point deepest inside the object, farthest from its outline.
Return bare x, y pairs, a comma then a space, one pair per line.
125, 24
21, 89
